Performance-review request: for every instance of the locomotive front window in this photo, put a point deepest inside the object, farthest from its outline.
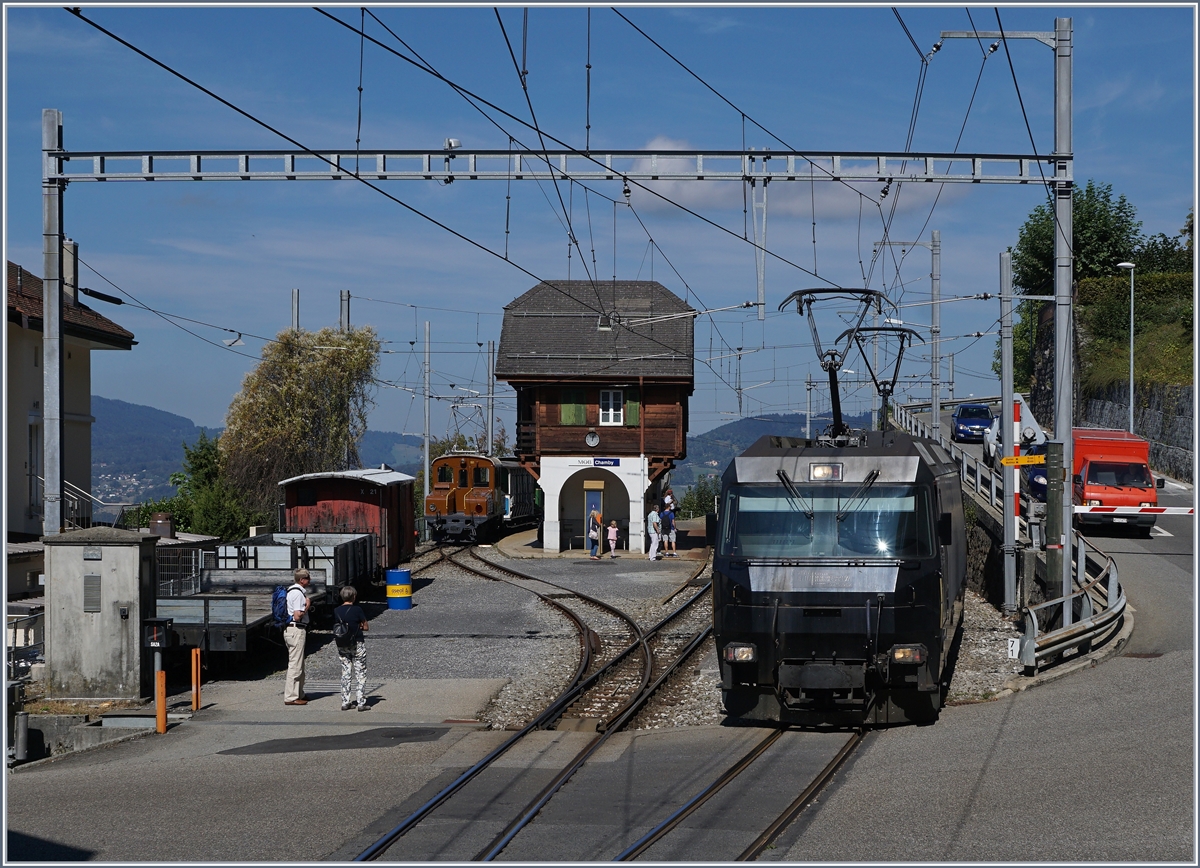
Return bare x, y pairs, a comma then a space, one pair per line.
885, 521
480, 477
445, 473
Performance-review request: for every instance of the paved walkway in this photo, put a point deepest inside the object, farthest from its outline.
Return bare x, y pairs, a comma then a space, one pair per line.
690, 543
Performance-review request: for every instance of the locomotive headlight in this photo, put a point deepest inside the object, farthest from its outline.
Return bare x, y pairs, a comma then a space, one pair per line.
908, 653
825, 473
1146, 503
1093, 503
740, 652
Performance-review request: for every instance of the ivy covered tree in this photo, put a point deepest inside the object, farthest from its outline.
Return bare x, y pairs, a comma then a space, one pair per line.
303, 409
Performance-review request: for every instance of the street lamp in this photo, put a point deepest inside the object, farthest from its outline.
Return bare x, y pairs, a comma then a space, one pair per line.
1129, 266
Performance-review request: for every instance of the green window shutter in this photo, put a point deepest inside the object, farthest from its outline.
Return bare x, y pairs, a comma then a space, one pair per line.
631, 406
571, 409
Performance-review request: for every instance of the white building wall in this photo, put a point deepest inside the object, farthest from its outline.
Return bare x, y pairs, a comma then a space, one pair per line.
632, 472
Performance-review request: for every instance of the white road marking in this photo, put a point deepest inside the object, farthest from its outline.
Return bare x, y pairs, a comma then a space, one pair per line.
1158, 531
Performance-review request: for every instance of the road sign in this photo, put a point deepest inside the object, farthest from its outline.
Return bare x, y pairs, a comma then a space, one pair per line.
1014, 460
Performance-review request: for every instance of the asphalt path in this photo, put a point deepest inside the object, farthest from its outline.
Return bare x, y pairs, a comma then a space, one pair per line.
1095, 766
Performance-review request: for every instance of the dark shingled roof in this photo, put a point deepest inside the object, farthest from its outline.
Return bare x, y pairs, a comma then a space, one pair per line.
552, 331
79, 320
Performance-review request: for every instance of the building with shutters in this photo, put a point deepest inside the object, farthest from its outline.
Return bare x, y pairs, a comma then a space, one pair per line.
603, 373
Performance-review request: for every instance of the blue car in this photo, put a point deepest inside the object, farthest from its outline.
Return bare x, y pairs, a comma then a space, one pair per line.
969, 422
1034, 475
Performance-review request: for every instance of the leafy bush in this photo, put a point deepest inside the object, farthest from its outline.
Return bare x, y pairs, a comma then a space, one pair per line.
1163, 312
698, 499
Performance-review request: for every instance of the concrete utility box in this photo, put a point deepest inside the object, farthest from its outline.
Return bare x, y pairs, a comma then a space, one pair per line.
100, 588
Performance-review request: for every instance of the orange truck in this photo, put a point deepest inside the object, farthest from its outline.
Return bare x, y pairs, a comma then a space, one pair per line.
1112, 468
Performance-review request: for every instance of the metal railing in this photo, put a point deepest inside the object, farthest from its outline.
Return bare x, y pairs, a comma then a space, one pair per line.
1076, 620
179, 571
25, 639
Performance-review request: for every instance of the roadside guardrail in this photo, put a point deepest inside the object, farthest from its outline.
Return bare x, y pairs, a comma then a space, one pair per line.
1078, 620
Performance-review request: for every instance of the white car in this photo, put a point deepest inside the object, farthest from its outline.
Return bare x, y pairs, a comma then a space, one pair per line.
990, 438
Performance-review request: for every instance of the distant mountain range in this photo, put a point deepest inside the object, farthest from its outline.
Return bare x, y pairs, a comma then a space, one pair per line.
711, 452
135, 448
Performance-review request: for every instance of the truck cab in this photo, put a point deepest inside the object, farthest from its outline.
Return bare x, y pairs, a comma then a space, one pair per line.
1112, 468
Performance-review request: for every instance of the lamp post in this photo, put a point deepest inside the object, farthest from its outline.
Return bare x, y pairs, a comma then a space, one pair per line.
1129, 266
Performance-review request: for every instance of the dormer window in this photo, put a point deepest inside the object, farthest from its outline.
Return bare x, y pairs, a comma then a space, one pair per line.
604, 323
612, 407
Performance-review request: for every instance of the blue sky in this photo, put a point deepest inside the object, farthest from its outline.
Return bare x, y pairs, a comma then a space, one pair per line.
821, 79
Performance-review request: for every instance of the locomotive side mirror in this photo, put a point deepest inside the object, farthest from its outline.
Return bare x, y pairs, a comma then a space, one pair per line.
1161, 482
1078, 479
945, 529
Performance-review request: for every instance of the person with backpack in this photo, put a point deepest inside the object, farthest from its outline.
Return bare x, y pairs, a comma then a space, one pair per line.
653, 527
349, 624
295, 636
668, 532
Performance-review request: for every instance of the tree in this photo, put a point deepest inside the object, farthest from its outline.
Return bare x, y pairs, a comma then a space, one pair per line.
303, 409
205, 502
1104, 232
698, 500
1162, 254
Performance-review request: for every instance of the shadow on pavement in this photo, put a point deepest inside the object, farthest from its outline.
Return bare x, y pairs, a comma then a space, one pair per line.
28, 848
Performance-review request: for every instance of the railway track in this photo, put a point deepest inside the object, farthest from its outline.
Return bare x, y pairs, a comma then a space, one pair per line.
620, 666
772, 831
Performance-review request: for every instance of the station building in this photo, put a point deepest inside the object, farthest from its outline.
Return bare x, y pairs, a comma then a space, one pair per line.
603, 372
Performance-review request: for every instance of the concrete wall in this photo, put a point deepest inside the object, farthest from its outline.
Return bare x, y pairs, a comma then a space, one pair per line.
98, 654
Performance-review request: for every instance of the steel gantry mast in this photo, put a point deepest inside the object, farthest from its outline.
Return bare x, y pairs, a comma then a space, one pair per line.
61, 167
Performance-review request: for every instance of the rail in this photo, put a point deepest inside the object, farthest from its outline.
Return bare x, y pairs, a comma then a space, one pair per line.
25, 639
1071, 621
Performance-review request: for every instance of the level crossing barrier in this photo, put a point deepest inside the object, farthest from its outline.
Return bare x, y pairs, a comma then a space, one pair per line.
1077, 620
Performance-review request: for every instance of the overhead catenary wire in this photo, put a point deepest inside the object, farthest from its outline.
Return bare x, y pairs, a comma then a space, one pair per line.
650, 190
366, 182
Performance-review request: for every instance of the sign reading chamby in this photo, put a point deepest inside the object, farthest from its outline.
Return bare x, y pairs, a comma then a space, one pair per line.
606, 462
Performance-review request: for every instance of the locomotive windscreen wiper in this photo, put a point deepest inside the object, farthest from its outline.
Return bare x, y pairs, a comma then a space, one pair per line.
794, 492
861, 491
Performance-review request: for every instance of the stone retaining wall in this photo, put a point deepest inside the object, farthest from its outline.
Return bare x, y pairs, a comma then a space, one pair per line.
1164, 415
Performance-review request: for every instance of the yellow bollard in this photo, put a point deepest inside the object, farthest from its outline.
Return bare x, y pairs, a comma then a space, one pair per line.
195, 679
160, 699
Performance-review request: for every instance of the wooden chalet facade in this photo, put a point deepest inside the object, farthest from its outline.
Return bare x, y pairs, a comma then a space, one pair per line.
603, 374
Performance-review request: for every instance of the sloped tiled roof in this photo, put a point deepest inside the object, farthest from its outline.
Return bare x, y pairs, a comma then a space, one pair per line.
79, 320
554, 331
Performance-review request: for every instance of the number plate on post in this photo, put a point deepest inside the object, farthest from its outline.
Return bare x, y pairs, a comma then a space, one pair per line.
1014, 649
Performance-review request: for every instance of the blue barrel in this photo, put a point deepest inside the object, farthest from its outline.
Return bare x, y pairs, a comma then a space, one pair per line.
399, 589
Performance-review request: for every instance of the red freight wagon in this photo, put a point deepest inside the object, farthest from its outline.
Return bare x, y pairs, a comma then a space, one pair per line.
376, 500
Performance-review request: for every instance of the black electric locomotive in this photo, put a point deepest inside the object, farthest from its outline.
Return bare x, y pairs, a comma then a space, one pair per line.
838, 579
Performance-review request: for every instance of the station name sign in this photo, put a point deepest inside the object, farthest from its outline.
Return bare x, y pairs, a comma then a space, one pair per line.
596, 462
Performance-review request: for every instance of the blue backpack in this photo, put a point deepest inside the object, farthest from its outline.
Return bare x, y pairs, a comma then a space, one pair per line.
279, 606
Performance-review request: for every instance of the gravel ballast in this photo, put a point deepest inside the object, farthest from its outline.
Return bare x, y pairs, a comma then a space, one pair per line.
463, 626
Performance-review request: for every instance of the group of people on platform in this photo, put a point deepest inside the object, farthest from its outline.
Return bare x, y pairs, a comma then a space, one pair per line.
660, 525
